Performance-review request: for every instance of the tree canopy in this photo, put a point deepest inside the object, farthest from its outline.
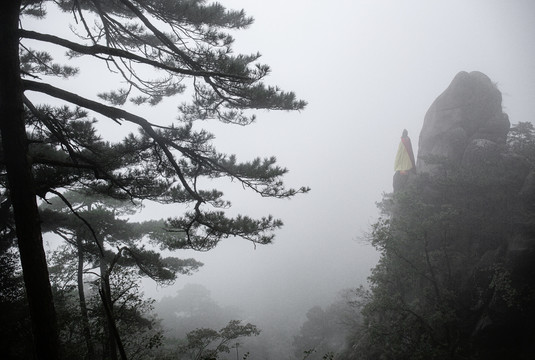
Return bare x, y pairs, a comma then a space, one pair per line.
454, 280
157, 49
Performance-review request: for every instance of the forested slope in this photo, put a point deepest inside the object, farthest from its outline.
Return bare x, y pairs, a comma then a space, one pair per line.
456, 274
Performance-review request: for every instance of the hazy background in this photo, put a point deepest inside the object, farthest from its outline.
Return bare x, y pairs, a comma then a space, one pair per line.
368, 69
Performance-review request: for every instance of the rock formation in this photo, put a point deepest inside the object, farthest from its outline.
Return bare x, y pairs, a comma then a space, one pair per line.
465, 131
466, 119
456, 277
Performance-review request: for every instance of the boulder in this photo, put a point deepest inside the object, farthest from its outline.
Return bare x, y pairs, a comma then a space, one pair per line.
469, 109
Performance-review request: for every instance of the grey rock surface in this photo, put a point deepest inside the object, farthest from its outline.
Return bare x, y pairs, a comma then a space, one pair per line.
469, 110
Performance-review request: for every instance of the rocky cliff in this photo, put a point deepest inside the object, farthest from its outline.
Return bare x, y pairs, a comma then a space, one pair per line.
456, 274
464, 133
464, 120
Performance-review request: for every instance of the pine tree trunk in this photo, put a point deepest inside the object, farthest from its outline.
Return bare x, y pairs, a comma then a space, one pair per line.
105, 295
114, 338
21, 188
83, 306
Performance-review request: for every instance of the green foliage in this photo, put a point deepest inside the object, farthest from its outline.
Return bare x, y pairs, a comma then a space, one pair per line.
101, 244
307, 354
418, 308
139, 328
502, 284
192, 307
41, 62
447, 285
188, 48
15, 334
104, 235
153, 50
324, 333
521, 140
204, 344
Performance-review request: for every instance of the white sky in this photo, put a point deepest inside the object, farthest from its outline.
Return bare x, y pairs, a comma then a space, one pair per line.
368, 69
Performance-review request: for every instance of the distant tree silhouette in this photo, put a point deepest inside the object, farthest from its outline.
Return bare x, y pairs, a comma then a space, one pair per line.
111, 245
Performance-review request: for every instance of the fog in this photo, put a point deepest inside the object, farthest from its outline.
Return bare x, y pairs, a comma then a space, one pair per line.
368, 69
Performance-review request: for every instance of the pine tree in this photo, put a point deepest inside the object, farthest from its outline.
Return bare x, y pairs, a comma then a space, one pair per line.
46, 149
102, 242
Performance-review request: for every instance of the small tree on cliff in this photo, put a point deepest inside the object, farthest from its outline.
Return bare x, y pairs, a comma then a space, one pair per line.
176, 40
521, 140
205, 343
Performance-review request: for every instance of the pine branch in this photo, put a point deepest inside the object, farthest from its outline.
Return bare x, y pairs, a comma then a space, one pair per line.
114, 114
111, 51
46, 121
167, 42
161, 36
69, 205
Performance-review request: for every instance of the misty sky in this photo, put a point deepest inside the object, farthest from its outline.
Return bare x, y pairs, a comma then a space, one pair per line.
368, 69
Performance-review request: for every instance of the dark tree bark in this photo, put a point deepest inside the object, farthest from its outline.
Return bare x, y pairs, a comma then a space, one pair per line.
105, 291
83, 305
22, 190
113, 338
